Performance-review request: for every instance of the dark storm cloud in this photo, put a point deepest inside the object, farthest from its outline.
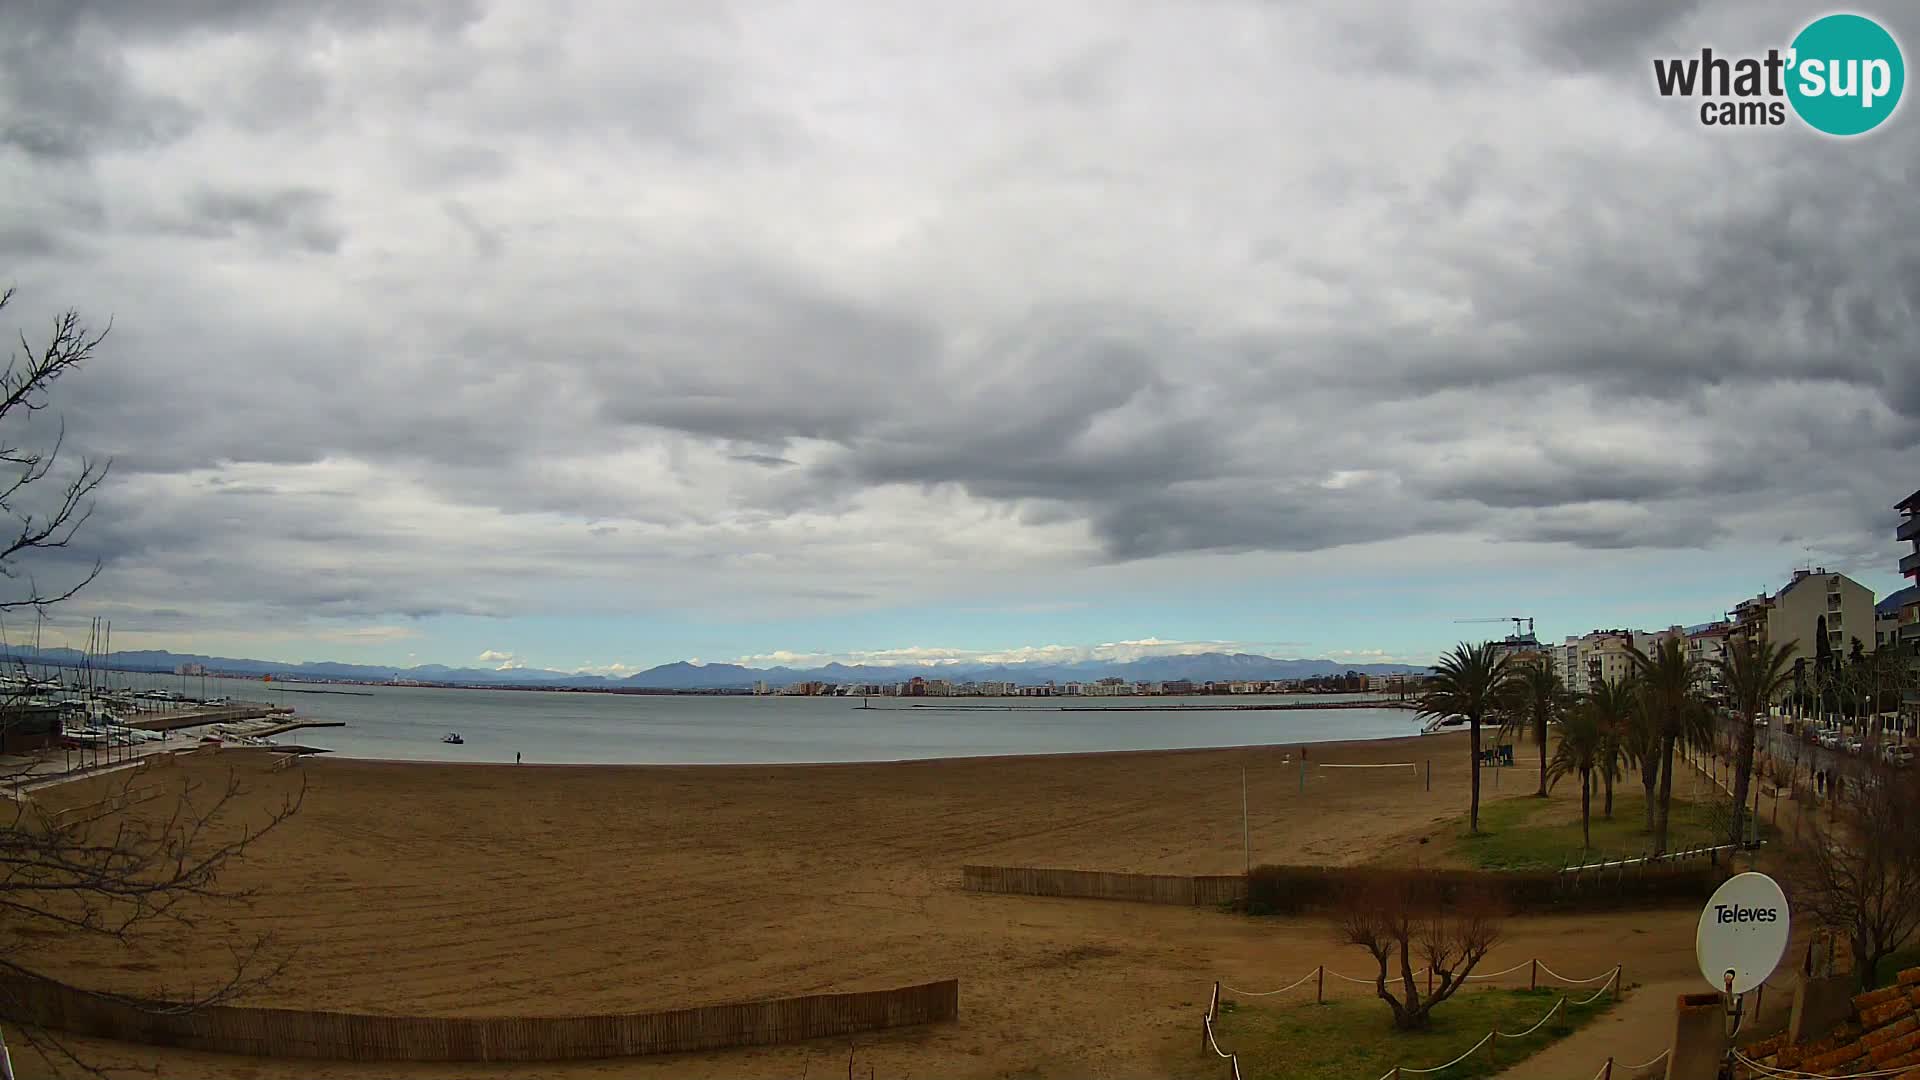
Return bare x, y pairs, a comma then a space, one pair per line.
1611, 34
1033, 289
294, 216
1619, 526
64, 96
802, 364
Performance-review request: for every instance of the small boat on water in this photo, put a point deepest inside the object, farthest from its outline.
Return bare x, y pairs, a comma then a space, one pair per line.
452, 737
1444, 723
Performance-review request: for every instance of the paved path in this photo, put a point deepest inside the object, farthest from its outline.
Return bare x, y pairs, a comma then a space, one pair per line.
1640, 1027
1632, 1032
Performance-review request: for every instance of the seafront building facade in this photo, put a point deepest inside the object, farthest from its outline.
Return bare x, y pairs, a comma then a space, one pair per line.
1908, 629
1815, 602
1601, 656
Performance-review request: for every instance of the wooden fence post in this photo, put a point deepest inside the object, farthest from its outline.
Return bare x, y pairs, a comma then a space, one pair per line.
1619, 976
1607, 1073
1533, 977
1320, 991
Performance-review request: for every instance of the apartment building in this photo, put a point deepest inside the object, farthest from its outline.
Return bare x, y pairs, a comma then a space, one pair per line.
1908, 629
1815, 603
1601, 656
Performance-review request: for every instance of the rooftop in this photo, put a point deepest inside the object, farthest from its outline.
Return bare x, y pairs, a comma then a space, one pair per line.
1890, 607
1883, 1036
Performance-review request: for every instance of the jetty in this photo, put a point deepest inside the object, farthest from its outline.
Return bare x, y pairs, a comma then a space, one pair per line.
222, 714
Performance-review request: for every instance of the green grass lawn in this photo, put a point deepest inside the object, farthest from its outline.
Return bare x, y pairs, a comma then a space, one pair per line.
1353, 1038
1522, 833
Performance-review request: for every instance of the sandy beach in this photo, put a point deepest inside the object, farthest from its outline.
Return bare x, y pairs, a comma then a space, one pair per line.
484, 889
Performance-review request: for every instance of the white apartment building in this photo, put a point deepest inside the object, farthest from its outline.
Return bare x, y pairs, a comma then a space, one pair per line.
1601, 656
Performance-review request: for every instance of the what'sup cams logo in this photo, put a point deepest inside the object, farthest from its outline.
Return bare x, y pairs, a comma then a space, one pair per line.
1842, 75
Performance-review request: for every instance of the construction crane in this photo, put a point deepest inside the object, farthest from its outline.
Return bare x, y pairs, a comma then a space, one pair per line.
1516, 620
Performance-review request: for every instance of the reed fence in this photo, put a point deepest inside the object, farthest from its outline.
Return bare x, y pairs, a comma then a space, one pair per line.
1210, 891
360, 1037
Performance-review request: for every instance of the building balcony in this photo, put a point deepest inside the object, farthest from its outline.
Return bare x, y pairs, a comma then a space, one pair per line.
1910, 565
1909, 529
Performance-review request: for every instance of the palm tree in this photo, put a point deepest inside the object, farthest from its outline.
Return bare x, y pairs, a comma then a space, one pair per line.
1612, 705
1582, 743
1668, 693
1532, 698
1754, 672
1467, 682
1640, 745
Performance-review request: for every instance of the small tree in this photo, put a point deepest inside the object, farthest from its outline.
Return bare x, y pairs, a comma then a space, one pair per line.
1401, 917
1856, 870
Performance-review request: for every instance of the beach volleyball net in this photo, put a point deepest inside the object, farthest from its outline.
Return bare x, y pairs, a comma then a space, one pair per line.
1382, 770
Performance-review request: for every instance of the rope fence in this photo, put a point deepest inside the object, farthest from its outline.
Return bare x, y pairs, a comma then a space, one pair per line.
1656, 1059
1492, 1038
1609, 983
1795, 1074
1606, 1070
1206, 1026
1609, 978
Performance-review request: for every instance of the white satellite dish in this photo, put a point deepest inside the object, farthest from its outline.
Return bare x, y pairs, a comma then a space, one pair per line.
1743, 932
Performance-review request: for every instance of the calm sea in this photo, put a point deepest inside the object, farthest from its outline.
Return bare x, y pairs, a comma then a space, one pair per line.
407, 723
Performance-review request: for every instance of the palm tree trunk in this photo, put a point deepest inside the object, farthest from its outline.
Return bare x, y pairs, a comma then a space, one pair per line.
1473, 810
1664, 810
1742, 778
1606, 779
1586, 809
1540, 738
1650, 779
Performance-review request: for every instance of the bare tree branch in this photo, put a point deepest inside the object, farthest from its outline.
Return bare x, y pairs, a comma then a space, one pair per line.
151, 853
1856, 869
1407, 916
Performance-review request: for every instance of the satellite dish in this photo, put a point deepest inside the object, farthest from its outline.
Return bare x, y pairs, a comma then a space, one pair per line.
1743, 933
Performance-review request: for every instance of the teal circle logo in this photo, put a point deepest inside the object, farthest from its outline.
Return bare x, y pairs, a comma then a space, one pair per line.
1846, 75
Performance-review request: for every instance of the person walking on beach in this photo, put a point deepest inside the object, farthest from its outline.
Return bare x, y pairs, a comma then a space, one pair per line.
516, 757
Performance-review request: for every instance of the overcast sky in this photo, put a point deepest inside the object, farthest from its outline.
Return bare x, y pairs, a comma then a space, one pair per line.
596, 335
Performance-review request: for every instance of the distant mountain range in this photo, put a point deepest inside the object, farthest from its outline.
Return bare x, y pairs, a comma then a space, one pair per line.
1199, 667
